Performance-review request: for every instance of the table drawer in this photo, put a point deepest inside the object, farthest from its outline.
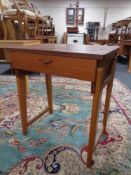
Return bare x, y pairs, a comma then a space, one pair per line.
57, 65
75, 39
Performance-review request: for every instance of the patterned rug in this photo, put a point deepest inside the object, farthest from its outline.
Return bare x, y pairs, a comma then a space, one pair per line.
57, 144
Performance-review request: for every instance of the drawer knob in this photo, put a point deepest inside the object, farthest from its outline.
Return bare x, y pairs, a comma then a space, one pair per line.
75, 41
47, 62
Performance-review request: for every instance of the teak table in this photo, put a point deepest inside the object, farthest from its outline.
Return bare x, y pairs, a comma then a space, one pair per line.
92, 63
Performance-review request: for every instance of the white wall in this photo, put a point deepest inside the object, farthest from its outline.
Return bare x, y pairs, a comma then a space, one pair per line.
94, 11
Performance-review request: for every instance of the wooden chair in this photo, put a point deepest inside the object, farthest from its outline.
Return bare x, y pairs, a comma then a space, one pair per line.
125, 28
50, 28
41, 21
45, 24
18, 12
129, 31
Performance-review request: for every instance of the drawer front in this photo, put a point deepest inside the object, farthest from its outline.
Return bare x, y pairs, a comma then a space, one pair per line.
75, 35
75, 40
84, 69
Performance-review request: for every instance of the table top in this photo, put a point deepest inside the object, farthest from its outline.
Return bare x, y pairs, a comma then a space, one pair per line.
81, 51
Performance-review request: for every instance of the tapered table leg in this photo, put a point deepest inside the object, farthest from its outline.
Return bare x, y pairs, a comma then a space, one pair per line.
94, 115
108, 96
107, 104
21, 85
49, 92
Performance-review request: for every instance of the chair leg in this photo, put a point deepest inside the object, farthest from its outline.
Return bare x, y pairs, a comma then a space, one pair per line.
26, 28
5, 29
21, 28
35, 29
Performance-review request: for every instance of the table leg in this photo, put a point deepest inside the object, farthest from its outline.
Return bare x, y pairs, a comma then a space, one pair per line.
107, 103
108, 95
21, 85
94, 115
49, 92
27, 83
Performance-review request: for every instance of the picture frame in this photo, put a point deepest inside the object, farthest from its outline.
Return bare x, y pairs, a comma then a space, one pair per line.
70, 16
81, 16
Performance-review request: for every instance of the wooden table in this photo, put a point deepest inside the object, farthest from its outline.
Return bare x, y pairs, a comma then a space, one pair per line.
126, 49
91, 63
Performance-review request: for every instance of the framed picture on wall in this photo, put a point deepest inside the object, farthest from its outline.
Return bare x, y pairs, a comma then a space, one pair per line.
70, 15
81, 16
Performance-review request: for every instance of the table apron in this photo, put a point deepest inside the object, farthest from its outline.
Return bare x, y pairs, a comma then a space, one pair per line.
80, 68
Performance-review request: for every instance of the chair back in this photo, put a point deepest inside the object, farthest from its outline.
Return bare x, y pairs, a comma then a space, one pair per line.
6, 4
23, 4
35, 9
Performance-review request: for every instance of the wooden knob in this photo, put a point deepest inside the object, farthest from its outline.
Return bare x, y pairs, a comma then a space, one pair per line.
47, 62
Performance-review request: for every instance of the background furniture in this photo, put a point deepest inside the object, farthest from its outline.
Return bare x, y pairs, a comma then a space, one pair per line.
23, 20
121, 30
94, 64
13, 12
92, 30
125, 49
74, 17
124, 29
75, 38
45, 25
48, 39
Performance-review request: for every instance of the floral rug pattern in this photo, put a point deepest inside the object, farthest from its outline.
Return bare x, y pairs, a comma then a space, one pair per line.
57, 144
